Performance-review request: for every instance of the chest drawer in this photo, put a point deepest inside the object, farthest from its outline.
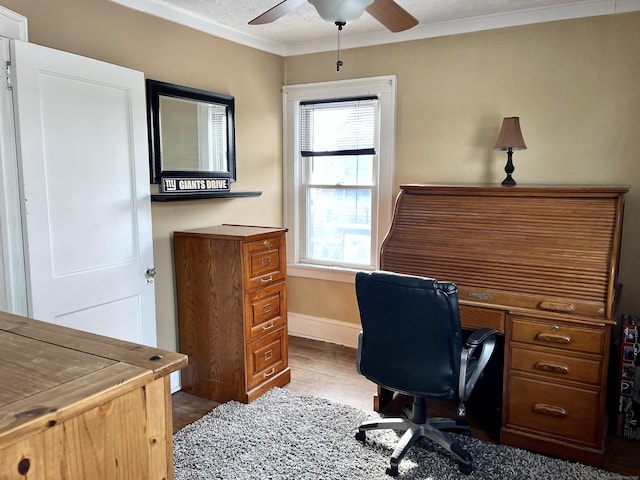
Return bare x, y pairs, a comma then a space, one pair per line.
553, 409
264, 262
266, 357
558, 367
558, 335
266, 310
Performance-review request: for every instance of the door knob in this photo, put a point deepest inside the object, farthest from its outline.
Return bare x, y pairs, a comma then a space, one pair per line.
151, 274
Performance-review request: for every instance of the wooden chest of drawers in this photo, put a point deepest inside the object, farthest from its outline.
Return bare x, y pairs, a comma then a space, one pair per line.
232, 310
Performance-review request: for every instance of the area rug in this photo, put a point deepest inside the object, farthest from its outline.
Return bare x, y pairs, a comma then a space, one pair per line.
286, 435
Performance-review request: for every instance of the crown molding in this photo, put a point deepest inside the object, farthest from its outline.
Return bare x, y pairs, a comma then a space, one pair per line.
204, 24
468, 25
588, 8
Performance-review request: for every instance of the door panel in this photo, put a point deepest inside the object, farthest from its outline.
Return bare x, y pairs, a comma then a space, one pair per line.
77, 193
82, 145
107, 318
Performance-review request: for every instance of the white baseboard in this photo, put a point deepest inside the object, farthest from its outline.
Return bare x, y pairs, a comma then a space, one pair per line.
324, 329
176, 383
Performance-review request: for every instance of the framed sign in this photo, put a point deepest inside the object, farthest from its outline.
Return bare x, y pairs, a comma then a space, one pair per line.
194, 184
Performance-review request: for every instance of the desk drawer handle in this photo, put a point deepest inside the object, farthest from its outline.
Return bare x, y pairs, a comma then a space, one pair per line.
269, 326
558, 306
550, 410
552, 338
267, 280
552, 367
267, 244
268, 355
266, 308
269, 373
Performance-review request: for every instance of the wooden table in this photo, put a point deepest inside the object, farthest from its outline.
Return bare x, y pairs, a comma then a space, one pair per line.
75, 405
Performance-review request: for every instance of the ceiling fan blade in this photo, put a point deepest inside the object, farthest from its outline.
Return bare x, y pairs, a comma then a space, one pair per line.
391, 15
276, 12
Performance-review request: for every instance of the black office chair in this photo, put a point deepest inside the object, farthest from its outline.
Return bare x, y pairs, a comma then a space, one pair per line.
411, 343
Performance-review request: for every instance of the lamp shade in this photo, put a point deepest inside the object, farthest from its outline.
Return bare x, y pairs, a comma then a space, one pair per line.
510, 136
340, 10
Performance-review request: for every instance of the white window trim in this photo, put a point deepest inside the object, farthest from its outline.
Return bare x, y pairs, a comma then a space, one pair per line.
385, 88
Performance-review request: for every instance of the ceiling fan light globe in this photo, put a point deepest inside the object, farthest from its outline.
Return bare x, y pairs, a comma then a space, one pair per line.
340, 10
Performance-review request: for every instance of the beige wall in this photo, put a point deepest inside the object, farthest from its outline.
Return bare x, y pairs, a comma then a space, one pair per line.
172, 53
574, 85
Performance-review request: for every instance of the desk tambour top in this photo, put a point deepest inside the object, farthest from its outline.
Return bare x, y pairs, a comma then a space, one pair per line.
551, 248
50, 373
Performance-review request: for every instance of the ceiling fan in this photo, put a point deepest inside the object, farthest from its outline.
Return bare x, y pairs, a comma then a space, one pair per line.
387, 12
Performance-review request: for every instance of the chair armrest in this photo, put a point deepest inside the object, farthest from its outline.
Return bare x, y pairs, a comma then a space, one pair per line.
479, 336
359, 353
486, 339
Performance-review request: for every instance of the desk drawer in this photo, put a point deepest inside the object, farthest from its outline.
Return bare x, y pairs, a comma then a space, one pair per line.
473, 318
553, 409
557, 335
266, 357
557, 367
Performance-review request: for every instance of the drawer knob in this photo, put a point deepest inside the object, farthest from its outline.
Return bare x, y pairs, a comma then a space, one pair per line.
553, 338
552, 367
267, 280
267, 244
551, 410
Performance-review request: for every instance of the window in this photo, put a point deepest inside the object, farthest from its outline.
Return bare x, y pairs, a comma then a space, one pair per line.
212, 142
339, 144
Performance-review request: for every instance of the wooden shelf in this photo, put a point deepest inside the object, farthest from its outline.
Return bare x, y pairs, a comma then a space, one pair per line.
180, 197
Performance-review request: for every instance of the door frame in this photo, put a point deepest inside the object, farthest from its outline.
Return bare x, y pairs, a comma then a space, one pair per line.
13, 287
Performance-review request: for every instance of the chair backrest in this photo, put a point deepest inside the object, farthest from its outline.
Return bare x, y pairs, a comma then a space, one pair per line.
411, 338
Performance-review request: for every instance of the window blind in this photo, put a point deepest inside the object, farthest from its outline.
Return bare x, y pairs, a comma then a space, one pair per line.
338, 127
217, 131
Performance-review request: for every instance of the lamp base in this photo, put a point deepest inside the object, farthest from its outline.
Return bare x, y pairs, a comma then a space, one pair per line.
509, 168
508, 182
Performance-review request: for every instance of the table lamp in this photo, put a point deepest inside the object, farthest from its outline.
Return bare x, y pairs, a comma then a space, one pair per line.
510, 139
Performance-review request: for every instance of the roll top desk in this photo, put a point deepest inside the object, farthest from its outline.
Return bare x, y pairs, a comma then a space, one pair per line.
539, 264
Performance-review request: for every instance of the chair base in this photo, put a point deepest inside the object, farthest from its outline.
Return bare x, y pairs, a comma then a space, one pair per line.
431, 429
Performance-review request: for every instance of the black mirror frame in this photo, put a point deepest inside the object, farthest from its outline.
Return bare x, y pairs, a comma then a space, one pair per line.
156, 88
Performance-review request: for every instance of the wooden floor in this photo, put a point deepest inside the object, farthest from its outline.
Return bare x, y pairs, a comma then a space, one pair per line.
328, 370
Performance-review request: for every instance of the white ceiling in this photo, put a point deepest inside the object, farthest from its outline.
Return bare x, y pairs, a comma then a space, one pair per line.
303, 31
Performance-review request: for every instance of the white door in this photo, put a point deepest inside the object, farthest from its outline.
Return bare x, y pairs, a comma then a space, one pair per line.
82, 155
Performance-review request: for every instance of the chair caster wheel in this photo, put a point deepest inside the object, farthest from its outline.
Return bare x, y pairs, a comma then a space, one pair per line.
361, 435
465, 463
392, 471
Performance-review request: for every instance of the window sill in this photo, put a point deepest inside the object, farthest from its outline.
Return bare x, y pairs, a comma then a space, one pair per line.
332, 274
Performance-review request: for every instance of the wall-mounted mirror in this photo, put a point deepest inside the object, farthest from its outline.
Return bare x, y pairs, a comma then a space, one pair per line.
191, 132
